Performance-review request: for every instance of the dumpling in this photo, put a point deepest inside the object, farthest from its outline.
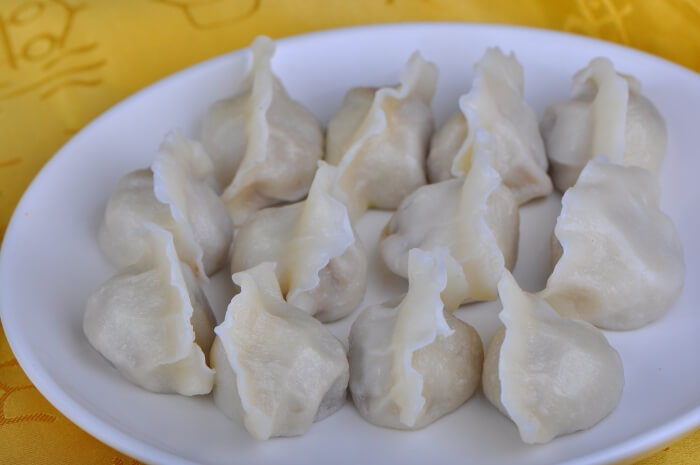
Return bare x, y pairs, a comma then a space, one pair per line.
282, 141
494, 104
153, 322
619, 260
410, 361
322, 267
379, 139
475, 218
606, 115
278, 369
549, 374
175, 195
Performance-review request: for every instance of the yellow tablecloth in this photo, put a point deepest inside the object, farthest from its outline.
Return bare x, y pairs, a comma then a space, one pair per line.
62, 62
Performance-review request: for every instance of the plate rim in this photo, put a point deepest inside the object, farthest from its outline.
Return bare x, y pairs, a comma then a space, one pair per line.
629, 450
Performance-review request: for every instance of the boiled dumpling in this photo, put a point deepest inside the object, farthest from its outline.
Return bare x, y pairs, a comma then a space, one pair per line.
264, 144
549, 374
606, 115
475, 218
495, 104
175, 195
322, 266
379, 139
228, 123
619, 260
410, 361
278, 369
153, 322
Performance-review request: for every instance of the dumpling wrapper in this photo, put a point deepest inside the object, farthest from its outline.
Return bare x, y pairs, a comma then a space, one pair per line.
224, 135
619, 260
175, 195
549, 374
283, 141
410, 361
494, 104
379, 139
153, 322
278, 369
322, 267
475, 218
606, 115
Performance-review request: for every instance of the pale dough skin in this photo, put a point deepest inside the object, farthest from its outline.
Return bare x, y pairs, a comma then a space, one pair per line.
153, 322
175, 195
278, 142
606, 115
495, 104
476, 219
549, 374
411, 362
322, 265
379, 139
619, 260
278, 369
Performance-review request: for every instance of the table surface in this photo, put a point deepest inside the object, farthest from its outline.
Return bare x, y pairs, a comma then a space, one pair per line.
63, 62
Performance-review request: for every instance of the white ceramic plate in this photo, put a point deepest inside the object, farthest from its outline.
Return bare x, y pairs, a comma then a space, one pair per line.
50, 262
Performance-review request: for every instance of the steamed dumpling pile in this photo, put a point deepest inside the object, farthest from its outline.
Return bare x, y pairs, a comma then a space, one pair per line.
549, 374
410, 361
264, 145
606, 115
278, 369
322, 267
379, 139
475, 218
495, 104
153, 322
619, 260
275, 368
174, 194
